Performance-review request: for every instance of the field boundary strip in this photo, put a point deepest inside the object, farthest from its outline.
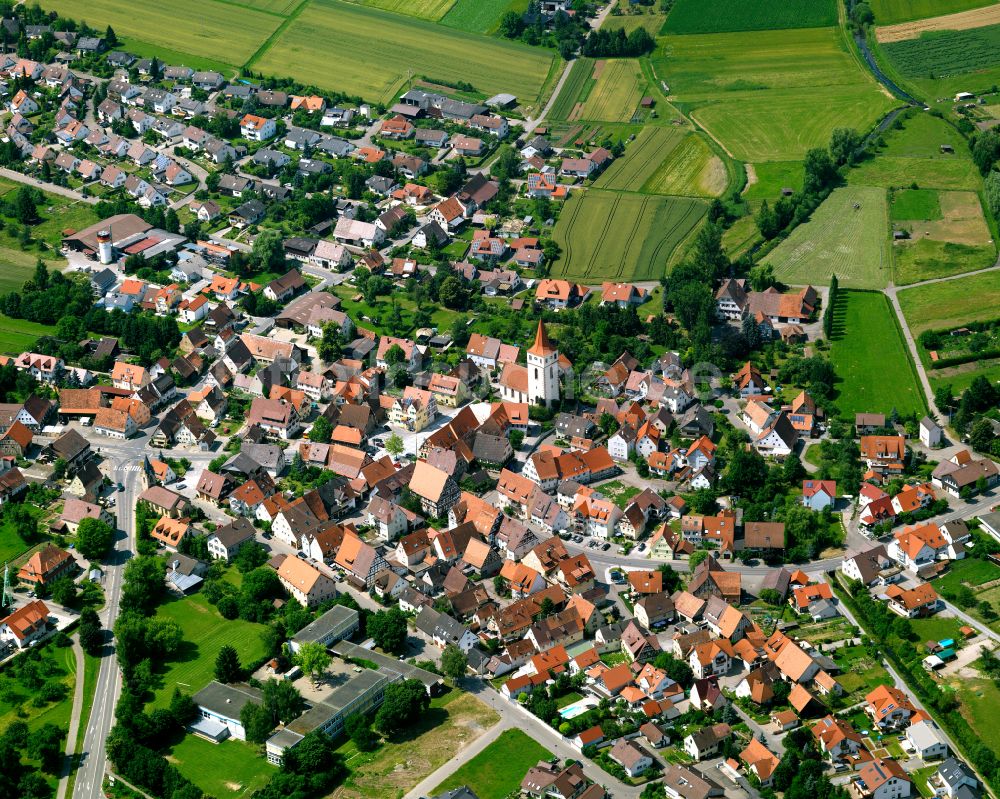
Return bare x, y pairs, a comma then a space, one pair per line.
270, 40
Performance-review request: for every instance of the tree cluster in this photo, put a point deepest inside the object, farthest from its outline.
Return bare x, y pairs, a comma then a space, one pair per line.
388, 629
604, 43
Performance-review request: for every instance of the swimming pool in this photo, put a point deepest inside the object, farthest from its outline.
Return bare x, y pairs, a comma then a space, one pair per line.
577, 708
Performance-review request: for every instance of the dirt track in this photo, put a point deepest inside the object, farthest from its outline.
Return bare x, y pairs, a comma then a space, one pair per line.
963, 20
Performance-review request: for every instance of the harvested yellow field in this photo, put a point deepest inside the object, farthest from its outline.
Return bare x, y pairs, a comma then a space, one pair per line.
963, 20
961, 222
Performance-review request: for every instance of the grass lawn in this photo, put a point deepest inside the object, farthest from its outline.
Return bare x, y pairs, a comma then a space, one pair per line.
960, 377
969, 571
919, 777
497, 771
980, 700
12, 546
614, 658
935, 628
870, 381
848, 235
769, 95
477, 16
18, 267
370, 52
606, 235
56, 664
19, 335
453, 720
771, 178
568, 699
861, 672
740, 237
377, 314
821, 632
232, 768
629, 22
952, 303
928, 259
948, 234
188, 26
205, 633
618, 492
913, 155
915, 204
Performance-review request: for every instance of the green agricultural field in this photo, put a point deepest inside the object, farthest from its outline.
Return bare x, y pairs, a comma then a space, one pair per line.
230, 769
496, 772
961, 377
476, 16
205, 633
868, 382
690, 170
970, 571
642, 158
721, 16
851, 242
889, 12
282, 7
946, 53
928, 259
188, 26
653, 23
616, 93
886, 171
769, 95
20, 335
371, 53
740, 237
911, 204
948, 235
580, 78
424, 9
613, 236
980, 704
951, 303
912, 154
770, 177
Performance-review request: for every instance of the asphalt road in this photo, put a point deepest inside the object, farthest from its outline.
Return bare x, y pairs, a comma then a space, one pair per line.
126, 456
90, 775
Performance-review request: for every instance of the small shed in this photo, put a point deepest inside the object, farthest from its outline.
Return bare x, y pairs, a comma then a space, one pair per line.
947, 148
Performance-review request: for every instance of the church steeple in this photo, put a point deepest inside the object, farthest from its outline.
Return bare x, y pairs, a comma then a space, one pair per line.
542, 346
